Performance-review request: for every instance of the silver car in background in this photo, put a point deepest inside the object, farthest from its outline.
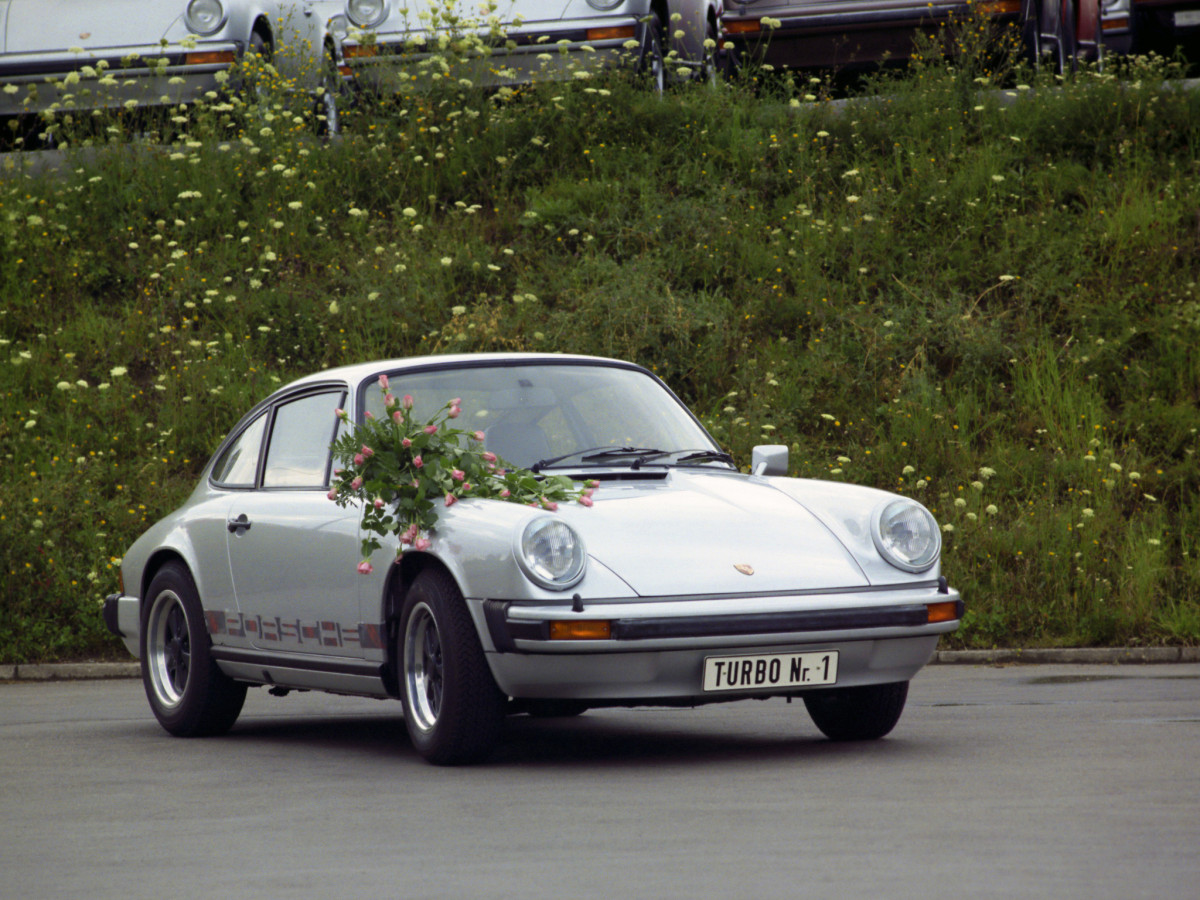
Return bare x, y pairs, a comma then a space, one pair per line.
87, 54
684, 581
509, 42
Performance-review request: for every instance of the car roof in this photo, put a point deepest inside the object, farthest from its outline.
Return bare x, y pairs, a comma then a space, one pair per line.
355, 373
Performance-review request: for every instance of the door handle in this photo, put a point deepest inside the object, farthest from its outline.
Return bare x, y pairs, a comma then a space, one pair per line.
239, 525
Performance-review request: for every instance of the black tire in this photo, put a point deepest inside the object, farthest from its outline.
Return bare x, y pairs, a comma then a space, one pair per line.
652, 61
452, 708
709, 68
188, 694
857, 713
260, 46
325, 105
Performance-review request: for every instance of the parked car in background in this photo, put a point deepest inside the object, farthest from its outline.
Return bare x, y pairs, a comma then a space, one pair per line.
853, 33
682, 581
1163, 25
88, 54
389, 42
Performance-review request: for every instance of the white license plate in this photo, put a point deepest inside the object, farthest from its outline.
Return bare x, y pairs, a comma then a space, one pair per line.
1187, 18
770, 670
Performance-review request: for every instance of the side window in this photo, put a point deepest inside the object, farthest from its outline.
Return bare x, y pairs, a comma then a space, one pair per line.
239, 462
298, 451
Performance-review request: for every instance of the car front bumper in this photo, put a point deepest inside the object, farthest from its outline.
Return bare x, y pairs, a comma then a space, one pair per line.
538, 51
112, 77
656, 649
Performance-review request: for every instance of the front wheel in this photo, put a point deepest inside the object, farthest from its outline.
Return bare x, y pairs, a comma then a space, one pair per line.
652, 62
188, 694
452, 708
857, 713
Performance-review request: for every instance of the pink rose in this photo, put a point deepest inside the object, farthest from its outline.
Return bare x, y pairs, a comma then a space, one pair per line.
450, 500
454, 412
356, 484
466, 486
549, 504
407, 402
341, 413
593, 483
488, 456
506, 493
418, 462
421, 544
378, 503
586, 500
367, 451
389, 400
457, 401
358, 459
406, 443
398, 417
332, 495
365, 568
478, 435
431, 429
458, 474
368, 414
383, 382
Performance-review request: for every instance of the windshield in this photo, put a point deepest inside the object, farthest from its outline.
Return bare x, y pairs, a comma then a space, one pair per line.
560, 413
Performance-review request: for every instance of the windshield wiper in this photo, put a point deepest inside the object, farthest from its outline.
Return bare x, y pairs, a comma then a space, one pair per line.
703, 456
596, 454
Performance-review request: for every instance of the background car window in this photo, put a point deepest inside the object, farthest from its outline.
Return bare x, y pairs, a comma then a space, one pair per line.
239, 463
298, 451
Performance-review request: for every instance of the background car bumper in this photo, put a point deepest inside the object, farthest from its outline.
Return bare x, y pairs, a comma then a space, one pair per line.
540, 54
121, 617
42, 79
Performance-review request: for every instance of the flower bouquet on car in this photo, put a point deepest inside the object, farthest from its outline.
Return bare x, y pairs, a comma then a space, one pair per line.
404, 471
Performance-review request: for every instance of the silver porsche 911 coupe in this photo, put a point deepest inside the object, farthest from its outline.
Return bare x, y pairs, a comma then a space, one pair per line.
681, 580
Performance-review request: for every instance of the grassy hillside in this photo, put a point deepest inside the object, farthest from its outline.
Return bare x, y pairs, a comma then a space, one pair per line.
986, 299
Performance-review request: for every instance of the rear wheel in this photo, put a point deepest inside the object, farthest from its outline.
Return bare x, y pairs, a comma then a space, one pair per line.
188, 694
857, 713
452, 708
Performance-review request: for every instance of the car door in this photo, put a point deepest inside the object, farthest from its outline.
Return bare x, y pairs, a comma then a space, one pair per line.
292, 552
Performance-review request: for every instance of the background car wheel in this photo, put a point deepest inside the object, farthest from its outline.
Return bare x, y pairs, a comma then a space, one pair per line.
189, 695
653, 60
857, 713
325, 111
452, 708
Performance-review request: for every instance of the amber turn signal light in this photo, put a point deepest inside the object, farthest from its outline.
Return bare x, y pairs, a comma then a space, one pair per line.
746, 26
212, 58
609, 34
943, 612
584, 630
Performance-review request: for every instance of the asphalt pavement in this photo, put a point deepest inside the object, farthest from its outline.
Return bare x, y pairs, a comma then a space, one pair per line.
1000, 781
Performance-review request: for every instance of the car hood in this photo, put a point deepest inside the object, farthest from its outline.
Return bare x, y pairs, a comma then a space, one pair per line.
57, 25
710, 532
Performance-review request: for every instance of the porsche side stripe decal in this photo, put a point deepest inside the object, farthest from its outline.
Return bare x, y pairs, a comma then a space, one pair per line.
326, 633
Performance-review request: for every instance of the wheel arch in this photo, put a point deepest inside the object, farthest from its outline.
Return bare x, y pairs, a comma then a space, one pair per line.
400, 578
158, 559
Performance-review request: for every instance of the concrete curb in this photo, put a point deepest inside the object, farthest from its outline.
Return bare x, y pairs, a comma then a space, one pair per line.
1069, 656
1059, 656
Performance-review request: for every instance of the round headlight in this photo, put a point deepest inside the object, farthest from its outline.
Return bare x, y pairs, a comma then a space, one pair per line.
604, 5
551, 554
366, 13
906, 535
204, 16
